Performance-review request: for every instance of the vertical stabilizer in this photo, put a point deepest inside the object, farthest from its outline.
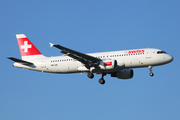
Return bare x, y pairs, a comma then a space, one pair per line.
27, 49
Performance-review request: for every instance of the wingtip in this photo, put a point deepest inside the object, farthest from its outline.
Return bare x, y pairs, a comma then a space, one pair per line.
51, 44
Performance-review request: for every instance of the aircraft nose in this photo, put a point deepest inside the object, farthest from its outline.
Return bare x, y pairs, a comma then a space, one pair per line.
170, 58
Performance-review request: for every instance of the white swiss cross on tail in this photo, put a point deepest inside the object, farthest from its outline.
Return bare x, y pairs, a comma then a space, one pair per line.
26, 47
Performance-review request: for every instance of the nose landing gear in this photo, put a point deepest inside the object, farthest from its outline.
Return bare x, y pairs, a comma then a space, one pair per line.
150, 69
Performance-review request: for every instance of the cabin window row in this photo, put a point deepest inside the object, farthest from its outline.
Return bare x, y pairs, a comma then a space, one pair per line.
100, 57
61, 60
119, 55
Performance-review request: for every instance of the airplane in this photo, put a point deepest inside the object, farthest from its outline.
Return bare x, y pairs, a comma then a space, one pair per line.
118, 64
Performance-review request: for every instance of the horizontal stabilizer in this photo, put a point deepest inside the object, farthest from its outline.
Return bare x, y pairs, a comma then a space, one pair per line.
19, 61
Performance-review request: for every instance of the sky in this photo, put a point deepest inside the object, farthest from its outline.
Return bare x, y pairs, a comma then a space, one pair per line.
90, 26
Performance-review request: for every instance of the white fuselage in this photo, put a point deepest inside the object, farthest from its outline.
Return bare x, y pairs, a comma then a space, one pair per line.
125, 59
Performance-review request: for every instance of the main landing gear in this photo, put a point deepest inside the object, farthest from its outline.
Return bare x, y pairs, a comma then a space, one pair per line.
90, 75
150, 69
101, 81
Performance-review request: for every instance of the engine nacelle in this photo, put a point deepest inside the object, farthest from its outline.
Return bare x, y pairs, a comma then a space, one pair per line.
108, 64
123, 74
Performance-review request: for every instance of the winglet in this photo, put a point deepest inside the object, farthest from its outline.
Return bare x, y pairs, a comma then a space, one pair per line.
51, 44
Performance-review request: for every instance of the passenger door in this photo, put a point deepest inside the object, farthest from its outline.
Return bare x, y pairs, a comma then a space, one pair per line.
148, 53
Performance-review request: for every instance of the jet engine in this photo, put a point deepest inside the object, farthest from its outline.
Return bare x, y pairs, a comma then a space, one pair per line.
108, 64
123, 74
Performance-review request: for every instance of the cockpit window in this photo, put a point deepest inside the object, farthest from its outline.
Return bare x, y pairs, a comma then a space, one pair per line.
161, 52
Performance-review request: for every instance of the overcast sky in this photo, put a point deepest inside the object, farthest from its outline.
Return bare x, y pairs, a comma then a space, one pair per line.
90, 26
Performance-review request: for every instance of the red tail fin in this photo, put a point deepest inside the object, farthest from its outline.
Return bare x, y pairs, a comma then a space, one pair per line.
26, 47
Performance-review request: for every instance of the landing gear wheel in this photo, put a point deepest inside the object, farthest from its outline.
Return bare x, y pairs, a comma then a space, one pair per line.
151, 74
101, 81
90, 75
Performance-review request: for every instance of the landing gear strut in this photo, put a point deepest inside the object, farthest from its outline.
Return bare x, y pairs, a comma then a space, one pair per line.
150, 69
102, 81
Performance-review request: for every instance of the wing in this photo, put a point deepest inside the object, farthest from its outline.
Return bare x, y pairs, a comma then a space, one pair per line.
87, 60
